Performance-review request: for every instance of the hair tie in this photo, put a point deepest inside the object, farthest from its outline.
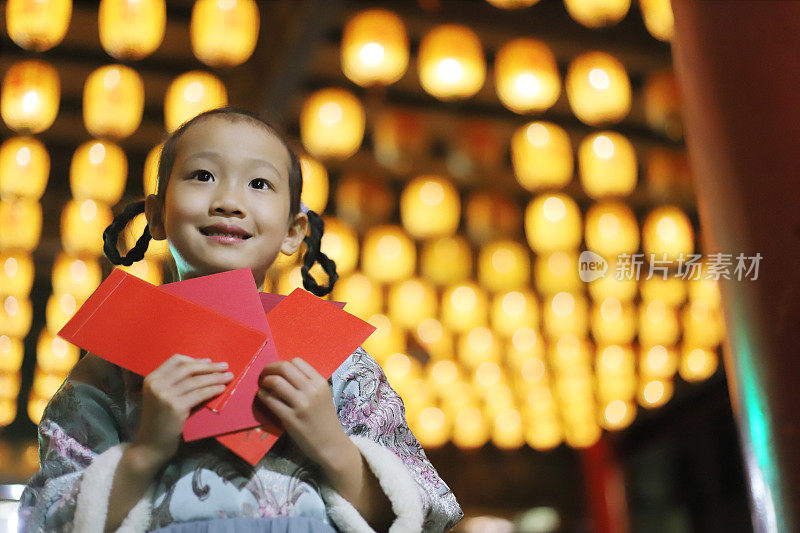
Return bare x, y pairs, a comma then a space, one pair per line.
304, 208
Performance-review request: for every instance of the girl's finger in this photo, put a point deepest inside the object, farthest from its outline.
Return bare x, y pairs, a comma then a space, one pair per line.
308, 371
194, 367
274, 404
289, 372
202, 380
198, 396
277, 386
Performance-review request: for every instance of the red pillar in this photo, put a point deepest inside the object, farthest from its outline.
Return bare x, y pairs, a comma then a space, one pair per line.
605, 488
738, 66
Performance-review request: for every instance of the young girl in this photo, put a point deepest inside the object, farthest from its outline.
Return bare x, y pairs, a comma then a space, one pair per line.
110, 446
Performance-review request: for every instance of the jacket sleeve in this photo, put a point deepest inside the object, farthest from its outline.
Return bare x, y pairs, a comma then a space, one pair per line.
79, 448
373, 416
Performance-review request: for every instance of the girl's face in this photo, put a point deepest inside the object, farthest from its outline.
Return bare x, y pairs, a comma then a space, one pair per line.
227, 201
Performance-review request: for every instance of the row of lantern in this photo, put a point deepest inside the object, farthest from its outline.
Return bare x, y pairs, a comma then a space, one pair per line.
223, 33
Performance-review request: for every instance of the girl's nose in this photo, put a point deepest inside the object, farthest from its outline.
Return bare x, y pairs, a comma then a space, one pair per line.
226, 203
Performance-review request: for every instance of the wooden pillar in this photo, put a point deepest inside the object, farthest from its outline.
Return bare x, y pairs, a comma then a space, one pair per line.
738, 67
605, 489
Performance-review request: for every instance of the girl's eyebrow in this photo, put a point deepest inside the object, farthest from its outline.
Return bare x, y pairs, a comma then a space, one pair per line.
252, 160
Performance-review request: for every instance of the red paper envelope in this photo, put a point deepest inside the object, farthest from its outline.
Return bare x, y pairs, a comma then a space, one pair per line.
138, 326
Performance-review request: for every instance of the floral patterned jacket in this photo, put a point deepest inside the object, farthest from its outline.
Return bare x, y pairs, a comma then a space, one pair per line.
85, 428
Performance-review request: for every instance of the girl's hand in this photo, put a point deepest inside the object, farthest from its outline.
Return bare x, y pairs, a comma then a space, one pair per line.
168, 395
300, 397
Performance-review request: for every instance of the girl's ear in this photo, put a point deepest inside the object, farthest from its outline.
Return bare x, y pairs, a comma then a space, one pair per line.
297, 232
153, 210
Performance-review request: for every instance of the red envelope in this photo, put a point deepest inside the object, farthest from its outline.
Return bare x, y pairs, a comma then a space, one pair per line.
138, 326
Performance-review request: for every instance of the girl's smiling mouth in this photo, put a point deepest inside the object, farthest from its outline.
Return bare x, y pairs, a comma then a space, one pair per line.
225, 233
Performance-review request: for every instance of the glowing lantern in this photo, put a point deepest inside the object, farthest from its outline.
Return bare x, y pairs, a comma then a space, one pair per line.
541, 154
9, 385
514, 309
387, 340
412, 301
507, 432
332, 123
54, 354
470, 428
362, 201
374, 48
190, 94
60, 308
614, 361
443, 373
113, 101
8, 411
437, 341
339, 242
621, 387
399, 139
491, 216
476, 347
570, 359
697, 364
658, 18
364, 297
611, 229
24, 167
705, 289
598, 88
613, 322
658, 361
557, 271
16, 274
76, 276
430, 207
542, 434
662, 104
315, 184
98, 171
36, 407
82, 226
150, 173
38, 25
450, 62
655, 392
702, 324
131, 29
526, 76
11, 353
156, 250
607, 165
15, 316
388, 254
446, 260
45, 385
458, 395
671, 290
525, 343
667, 233
432, 427
224, 32
464, 307
147, 270
566, 313
553, 222
597, 13
30, 95
617, 414
610, 285
582, 434
504, 265
512, 4
658, 323
20, 224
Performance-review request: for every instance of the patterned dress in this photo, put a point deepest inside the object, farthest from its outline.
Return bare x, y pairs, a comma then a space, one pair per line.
85, 429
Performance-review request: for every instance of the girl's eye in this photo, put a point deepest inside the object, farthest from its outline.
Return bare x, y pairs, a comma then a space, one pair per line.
202, 175
261, 183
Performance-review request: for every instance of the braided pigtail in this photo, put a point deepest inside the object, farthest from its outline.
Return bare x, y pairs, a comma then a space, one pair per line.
111, 234
314, 254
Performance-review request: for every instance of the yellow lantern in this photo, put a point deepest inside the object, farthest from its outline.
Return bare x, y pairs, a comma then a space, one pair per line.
570, 360
363, 201
332, 123
611, 229
430, 207
697, 364
701, 288
12, 351
224, 33
543, 434
658, 18
24, 167
156, 250
113, 101
30, 96
617, 414
98, 171
20, 224
598, 88
582, 434
9, 385
388, 254
150, 173
364, 297
512, 310
464, 307
507, 431
658, 323
597, 13
541, 154
662, 104
131, 30
667, 233
147, 269
340, 244
36, 407
512, 4
607, 165
702, 324
412, 301
387, 341
15, 316
470, 428
620, 387
525, 343
450, 62
621, 287
76, 276
190, 94
60, 308
504, 265
45, 385
654, 392
553, 222
526, 76
374, 48
446, 260
491, 216
614, 361
442, 373
16, 274
432, 427
671, 290
38, 25
557, 271
434, 338
658, 361
476, 347
8, 411
54, 354
82, 226
566, 313
315, 184
613, 321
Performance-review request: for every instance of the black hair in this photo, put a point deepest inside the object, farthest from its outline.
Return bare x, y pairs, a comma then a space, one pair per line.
313, 240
